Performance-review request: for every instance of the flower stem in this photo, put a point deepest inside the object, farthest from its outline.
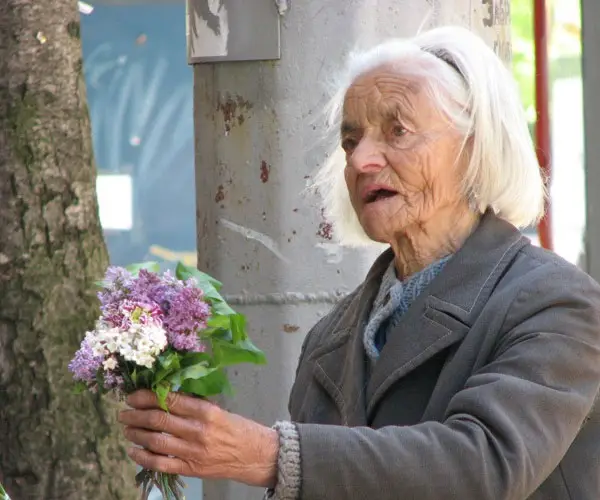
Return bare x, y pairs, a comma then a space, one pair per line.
170, 485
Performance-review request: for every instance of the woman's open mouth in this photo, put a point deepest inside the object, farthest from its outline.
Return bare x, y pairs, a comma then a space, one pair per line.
378, 194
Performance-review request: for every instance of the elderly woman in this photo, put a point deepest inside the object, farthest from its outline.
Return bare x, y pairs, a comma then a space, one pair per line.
467, 364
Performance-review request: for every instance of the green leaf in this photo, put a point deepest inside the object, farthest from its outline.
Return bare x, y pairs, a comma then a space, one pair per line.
209, 285
144, 378
80, 387
224, 336
238, 328
100, 380
244, 351
209, 332
184, 272
169, 360
162, 391
193, 358
213, 384
222, 308
218, 322
134, 377
168, 364
149, 266
193, 372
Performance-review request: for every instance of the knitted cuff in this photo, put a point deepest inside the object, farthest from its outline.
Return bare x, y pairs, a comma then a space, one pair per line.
289, 472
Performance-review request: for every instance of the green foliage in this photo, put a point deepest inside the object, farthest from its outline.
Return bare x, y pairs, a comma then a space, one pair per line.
523, 52
208, 285
564, 48
203, 374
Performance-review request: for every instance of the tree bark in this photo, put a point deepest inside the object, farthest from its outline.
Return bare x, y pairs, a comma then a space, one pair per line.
53, 444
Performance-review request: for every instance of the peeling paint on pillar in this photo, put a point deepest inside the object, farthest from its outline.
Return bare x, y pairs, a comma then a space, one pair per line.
220, 196
265, 170
325, 229
233, 108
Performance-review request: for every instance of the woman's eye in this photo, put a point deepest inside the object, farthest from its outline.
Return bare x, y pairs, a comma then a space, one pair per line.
348, 144
398, 131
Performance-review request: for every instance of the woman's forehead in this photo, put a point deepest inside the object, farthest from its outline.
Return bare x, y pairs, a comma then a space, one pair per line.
386, 92
383, 82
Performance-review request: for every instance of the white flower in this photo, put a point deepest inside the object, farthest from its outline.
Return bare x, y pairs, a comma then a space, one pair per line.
112, 346
110, 364
140, 343
144, 345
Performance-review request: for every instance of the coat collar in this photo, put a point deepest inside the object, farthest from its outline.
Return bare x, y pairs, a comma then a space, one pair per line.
440, 317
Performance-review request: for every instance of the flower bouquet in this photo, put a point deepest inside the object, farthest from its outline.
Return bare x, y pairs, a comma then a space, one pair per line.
164, 333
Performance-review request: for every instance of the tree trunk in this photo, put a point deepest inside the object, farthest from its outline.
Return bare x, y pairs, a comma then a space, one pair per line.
53, 444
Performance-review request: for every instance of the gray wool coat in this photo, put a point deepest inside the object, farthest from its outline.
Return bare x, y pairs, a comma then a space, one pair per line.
486, 390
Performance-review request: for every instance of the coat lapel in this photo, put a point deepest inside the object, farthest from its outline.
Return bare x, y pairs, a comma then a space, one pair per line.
339, 364
440, 317
444, 312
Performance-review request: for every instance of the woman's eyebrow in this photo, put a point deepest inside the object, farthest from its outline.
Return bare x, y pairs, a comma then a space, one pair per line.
349, 127
398, 111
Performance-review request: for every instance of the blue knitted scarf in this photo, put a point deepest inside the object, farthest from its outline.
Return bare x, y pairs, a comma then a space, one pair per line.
392, 301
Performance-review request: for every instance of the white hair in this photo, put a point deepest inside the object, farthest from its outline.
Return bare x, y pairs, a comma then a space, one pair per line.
478, 95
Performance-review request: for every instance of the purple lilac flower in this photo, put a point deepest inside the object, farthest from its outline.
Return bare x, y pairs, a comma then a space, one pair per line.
121, 316
118, 276
113, 381
178, 304
148, 312
144, 284
154, 287
117, 283
188, 313
85, 364
185, 342
113, 315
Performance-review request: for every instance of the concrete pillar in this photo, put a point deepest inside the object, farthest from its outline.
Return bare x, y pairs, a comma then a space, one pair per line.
590, 15
258, 140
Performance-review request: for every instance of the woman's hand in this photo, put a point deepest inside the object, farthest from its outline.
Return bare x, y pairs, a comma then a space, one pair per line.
197, 438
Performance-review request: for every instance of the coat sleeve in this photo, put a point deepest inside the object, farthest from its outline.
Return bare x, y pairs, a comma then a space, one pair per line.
504, 432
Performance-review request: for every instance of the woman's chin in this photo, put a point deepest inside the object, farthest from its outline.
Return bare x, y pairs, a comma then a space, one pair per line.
379, 225
379, 233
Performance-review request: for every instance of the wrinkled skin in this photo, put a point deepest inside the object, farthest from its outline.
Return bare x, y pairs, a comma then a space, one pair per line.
199, 439
394, 137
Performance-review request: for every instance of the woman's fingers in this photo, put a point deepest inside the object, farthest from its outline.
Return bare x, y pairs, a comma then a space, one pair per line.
159, 463
177, 403
159, 443
161, 421
197, 438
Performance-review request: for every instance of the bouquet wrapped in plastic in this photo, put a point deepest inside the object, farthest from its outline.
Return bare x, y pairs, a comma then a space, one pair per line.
164, 333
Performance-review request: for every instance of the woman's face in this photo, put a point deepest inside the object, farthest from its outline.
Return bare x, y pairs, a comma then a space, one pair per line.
401, 152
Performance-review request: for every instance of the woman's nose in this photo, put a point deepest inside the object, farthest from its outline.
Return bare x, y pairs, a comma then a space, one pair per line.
367, 157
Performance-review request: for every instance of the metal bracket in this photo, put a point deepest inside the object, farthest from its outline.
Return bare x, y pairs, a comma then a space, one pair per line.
233, 30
